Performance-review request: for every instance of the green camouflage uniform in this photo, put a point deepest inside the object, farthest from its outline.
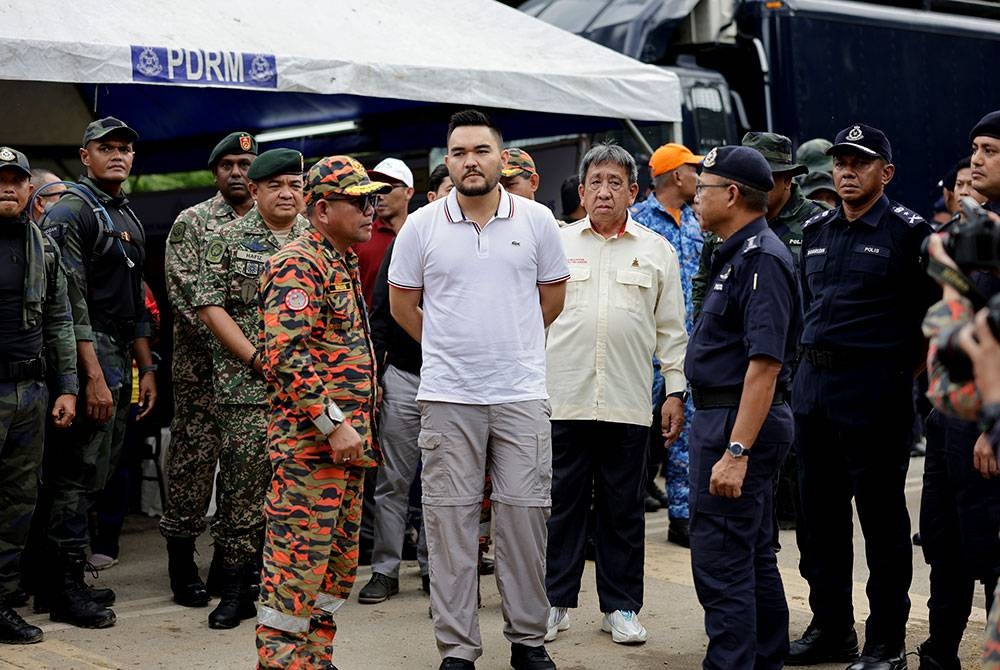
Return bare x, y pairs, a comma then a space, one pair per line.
195, 439
228, 277
23, 402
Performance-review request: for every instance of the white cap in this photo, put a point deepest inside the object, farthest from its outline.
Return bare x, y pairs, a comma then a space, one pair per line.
392, 168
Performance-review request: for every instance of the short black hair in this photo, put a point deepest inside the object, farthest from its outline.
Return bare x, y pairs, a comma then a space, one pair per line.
437, 176
473, 117
570, 192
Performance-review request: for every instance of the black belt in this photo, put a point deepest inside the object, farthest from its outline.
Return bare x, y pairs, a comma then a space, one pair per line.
123, 330
19, 371
837, 359
727, 396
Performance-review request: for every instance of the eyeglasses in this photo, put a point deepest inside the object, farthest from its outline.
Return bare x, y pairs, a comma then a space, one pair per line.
112, 149
362, 202
701, 187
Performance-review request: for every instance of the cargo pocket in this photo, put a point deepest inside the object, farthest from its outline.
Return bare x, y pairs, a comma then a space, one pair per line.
434, 474
543, 465
632, 287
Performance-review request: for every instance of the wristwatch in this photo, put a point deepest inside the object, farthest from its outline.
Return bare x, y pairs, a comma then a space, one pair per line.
737, 450
680, 395
330, 419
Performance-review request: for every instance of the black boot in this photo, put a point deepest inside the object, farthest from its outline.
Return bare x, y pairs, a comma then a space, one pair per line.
71, 602
215, 579
237, 600
187, 586
15, 630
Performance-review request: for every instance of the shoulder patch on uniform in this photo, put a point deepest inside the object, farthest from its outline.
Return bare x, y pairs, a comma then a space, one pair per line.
908, 216
296, 300
816, 218
751, 244
216, 249
177, 231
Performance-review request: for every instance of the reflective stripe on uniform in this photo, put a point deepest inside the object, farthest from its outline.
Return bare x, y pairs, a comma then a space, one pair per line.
272, 618
328, 603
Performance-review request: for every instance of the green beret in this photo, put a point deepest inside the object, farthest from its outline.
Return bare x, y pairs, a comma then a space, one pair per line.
233, 143
275, 162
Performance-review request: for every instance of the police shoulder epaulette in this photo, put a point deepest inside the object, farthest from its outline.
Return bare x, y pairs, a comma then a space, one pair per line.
907, 215
752, 244
821, 216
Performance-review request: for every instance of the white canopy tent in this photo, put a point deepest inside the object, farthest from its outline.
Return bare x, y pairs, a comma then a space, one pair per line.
470, 52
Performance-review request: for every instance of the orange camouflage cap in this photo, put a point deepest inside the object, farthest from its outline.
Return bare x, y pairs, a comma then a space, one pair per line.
340, 175
519, 161
670, 157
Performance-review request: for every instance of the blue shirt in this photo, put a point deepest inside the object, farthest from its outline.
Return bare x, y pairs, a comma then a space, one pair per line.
751, 309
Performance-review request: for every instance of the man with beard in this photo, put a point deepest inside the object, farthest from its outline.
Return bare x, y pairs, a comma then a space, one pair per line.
491, 271
195, 440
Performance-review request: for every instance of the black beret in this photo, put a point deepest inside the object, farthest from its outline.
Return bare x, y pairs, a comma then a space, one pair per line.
233, 143
741, 164
275, 162
988, 126
866, 140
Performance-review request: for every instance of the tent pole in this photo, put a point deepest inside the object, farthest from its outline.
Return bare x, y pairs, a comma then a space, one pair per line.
636, 135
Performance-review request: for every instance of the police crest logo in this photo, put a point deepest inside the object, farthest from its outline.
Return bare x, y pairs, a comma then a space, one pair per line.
148, 63
296, 300
710, 158
246, 142
855, 134
6, 154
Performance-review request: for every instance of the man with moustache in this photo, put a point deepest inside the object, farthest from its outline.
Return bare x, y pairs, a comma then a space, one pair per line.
491, 272
226, 300
320, 369
195, 439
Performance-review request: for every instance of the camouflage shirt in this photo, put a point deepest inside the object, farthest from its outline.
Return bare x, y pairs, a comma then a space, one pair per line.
228, 278
961, 401
317, 347
192, 357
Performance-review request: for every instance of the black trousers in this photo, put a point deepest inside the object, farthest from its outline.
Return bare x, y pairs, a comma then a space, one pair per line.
959, 522
608, 459
839, 463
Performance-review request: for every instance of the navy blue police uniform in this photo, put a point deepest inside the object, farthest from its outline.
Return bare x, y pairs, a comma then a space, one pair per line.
864, 296
751, 310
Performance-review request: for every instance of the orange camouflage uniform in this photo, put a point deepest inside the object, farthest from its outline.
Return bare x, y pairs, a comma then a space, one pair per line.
316, 350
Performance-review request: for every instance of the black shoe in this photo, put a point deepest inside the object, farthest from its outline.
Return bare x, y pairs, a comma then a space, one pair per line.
523, 657
378, 589
452, 663
880, 657
678, 533
652, 504
425, 584
15, 630
16, 598
655, 491
818, 645
72, 602
917, 540
186, 585
486, 566
237, 601
928, 661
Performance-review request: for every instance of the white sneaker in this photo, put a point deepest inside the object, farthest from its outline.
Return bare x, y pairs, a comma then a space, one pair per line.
102, 561
624, 627
558, 621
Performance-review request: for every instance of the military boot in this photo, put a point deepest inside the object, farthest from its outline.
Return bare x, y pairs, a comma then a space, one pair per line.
185, 583
237, 600
15, 630
215, 579
71, 600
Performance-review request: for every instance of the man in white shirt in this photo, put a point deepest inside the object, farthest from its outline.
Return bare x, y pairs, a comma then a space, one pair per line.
491, 271
624, 303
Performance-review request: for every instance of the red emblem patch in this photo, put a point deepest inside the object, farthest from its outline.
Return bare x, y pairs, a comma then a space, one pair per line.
246, 142
296, 300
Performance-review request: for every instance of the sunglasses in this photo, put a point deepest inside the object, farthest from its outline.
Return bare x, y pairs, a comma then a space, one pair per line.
362, 202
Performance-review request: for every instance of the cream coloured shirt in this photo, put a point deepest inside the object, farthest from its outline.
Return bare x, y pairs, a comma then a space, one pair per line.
623, 304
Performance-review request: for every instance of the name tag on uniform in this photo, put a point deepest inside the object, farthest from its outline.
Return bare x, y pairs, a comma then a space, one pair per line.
244, 255
815, 251
340, 287
872, 249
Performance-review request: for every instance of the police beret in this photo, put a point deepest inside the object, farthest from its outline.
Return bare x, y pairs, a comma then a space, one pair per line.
109, 125
233, 143
988, 126
863, 139
14, 159
740, 164
275, 162
776, 150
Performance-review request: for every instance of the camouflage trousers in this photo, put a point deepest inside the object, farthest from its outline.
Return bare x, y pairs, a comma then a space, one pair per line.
195, 444
80, 459
677, 469
244, 473
310, 560
22, 423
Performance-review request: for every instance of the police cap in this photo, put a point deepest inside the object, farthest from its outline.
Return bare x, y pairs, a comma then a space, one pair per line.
740, 164
988, 126
776, 150
233, 144
101, 128
12, 159
862, 139
275, 162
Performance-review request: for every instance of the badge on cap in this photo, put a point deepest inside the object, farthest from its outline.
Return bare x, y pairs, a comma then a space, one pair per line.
855, 134
710, 158
246, 142
7, 155
296, 300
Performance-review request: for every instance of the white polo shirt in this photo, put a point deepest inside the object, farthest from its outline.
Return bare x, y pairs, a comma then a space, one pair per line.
483, 337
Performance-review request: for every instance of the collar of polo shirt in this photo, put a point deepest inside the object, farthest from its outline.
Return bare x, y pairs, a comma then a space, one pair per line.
453, 211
